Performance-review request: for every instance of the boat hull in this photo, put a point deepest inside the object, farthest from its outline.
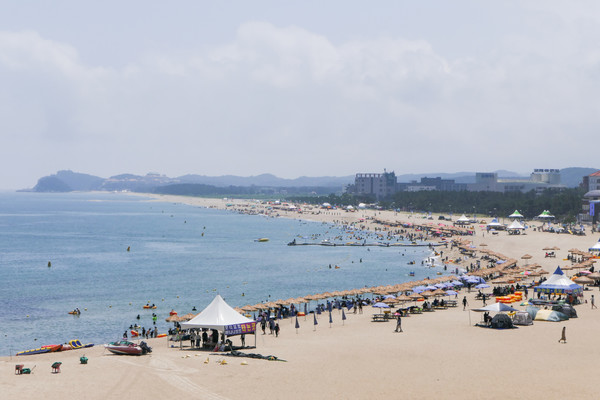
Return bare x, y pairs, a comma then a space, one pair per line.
125, 350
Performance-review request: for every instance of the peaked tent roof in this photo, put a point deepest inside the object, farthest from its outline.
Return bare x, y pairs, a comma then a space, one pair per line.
595, 247
495, 222
495, 307
545, 214
516, 225
558, 283
516, 214
217, 315
463, 218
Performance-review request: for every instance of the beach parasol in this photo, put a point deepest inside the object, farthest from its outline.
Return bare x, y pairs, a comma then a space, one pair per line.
594, 275
172, 318
380, 305
584, 280
407, 298
186, 317
542, 272
415, 296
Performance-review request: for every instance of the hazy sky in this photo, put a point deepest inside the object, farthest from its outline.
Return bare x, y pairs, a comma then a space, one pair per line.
296, 88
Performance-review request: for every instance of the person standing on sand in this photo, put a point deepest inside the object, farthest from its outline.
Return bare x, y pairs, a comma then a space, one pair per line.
276, 329
399, 324
593, 303
563, 337
465, 302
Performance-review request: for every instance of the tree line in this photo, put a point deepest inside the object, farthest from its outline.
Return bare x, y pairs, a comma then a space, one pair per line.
564, 204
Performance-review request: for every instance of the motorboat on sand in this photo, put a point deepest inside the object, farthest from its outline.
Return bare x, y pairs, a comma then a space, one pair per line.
124, 347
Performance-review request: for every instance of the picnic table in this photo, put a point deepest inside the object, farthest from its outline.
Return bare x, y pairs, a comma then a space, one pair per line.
451, 303
380, 318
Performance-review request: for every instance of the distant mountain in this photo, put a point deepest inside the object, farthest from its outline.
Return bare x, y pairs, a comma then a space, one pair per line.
67, 181
267, 180
51, 184
573, 177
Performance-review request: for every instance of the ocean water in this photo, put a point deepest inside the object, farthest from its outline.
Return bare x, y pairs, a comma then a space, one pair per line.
180, 257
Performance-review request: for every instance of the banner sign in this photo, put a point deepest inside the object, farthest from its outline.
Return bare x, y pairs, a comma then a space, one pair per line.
240, 329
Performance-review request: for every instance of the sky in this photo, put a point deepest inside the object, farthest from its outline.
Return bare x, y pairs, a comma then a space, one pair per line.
296, 88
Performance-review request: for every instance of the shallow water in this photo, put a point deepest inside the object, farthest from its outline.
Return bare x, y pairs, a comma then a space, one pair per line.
180, 257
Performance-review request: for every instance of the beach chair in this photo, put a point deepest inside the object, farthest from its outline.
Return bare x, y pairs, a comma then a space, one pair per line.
56, 367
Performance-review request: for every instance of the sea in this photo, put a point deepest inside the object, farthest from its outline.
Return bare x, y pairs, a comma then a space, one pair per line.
109, 254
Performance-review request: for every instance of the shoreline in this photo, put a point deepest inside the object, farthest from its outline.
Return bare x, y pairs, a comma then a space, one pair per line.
439, 353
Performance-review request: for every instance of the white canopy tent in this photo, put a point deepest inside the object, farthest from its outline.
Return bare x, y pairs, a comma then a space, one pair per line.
515, 225
463, 220
495, 307
222, 317
495, 225
595, 247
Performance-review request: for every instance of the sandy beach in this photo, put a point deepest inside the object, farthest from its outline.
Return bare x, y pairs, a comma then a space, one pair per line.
438, 354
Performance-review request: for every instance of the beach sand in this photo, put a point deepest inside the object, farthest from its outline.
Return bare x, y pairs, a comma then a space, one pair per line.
439, 354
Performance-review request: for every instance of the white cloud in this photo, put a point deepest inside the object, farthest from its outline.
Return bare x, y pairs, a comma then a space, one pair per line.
290, 101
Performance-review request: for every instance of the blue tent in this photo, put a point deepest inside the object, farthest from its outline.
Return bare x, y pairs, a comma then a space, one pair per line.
559, 283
